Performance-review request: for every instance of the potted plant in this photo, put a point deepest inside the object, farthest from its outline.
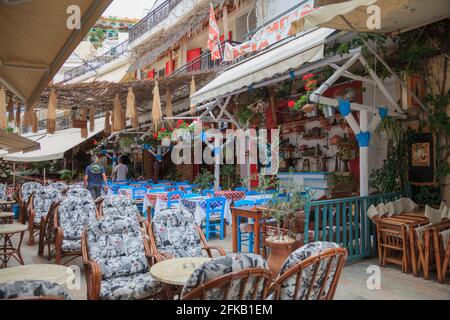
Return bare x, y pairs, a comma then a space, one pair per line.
66, 175
126, 143
328, 111
164, 136
204, 181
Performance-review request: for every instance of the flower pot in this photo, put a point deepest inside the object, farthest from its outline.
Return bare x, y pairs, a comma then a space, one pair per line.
165, 142
328, 111
310, 110
279, 252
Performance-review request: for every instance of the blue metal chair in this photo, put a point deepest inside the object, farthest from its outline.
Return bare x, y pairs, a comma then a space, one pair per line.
158, 185
261, 202
215, 217
191, 195
158, 190
208, 192
138, 196
252, 193
241, 189
245, 238
171, 198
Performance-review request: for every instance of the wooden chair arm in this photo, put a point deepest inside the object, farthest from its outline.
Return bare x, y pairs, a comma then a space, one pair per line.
155, 258
93, 279
59, 236
208, 249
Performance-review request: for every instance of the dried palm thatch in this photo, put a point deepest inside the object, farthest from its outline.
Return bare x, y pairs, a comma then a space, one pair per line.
132, 112
3, 119
169, 108
84, 130
107, 129
118, 116
10, 109
18, 114
35, 121
156, 108
51, 112
191, 93
91, 119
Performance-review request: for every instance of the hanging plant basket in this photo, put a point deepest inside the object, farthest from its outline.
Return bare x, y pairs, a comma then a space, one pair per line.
328, 111
165, 142
310, 110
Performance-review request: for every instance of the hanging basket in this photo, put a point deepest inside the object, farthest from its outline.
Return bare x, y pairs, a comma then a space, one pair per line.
165, 142
329, 111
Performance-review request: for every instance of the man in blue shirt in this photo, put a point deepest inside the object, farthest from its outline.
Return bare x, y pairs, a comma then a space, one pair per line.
93, 177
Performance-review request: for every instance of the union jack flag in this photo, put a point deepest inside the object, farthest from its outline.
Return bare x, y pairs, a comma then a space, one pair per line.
214, 36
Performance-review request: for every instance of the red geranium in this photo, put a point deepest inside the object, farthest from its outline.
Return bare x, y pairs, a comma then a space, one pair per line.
155, 135
308, 76
163, 130
291, 103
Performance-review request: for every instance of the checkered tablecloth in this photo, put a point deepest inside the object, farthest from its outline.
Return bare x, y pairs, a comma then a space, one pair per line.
197, 206
231, 195
157, 201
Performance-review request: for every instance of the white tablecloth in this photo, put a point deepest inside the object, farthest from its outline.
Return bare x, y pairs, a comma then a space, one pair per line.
197, 208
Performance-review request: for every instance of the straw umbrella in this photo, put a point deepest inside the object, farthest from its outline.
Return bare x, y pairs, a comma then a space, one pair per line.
131, 109
3, 120
118, 116
91, 119
51, 112
107, 122
192, 92
156, 109
10, 109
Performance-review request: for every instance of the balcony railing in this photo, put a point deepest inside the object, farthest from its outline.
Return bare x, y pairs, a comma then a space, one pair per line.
152, 19
204, 63
96, 63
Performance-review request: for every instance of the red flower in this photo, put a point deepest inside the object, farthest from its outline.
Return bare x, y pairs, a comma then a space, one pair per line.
291, 103
180, 121
308, 76
155, 136
163, 129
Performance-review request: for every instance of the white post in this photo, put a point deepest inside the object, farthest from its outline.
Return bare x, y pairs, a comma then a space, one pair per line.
216, 175
364, 156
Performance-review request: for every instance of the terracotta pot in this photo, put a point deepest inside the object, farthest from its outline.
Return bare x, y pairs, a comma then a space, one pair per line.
278, 254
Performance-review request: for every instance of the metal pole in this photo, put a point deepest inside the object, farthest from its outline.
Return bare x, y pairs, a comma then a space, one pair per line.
364, 157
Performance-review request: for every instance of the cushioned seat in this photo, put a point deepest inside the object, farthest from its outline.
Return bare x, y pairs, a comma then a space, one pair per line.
120, 206
32, 289
71, 245
42, 201
133, 287
28, 188
79, 192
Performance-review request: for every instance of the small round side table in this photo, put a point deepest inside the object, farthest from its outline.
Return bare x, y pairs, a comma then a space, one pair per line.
7, 249
6, 217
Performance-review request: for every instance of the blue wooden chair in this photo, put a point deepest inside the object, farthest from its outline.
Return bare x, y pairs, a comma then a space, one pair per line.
252, 193
244, 238
241, 189
138, 196
208, 192
215, 217
157, 190
261, 202
171, 198
191, 195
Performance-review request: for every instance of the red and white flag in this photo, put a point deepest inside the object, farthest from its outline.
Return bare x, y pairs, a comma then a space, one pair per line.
214, 36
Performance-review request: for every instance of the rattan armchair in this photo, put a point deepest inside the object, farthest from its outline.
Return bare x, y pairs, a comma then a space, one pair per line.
107, 276
312, 272
47, 232
174, 234
232, 277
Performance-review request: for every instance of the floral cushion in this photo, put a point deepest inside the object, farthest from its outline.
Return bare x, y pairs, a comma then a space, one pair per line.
116, 244
2, 191
30, 289
71, 245
61, 186
119, 206
73, 214
135, 286
28, 188
222, 266
176, 233
43, 200
79, 192
301, 254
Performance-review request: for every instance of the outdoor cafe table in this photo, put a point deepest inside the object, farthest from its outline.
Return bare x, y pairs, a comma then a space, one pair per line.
252, 212
176, 271
41, 272
231, 195
7, 248
6, 217
157, 201
197, 206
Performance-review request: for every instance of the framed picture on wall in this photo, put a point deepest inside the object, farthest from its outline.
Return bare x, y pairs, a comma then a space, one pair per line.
422, 159
420, 154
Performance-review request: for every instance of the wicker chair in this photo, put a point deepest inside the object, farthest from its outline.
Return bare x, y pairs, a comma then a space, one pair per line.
311, 272
116, 260
33, 290
61, 186
173, 233
40, 205
26, 191
232, 277
73, 214
78, 192
47, 232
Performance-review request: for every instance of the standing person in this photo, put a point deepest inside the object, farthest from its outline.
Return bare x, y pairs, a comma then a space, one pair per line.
93, 177
120, 171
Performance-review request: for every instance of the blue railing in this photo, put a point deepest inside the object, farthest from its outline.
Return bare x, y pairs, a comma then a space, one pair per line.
345, 222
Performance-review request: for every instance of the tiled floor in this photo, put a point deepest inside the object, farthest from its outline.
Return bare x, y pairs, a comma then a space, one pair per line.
394, 285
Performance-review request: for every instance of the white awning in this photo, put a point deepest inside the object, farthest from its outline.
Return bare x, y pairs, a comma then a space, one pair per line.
286, 56
53, 146
395, 16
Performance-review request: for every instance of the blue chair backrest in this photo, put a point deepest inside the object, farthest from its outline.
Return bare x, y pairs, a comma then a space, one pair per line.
216, 205
191, 195
139, 193
164, 181
244, 203
208, 192
262, 201
252, 193
241, 189
171, 197
158, 190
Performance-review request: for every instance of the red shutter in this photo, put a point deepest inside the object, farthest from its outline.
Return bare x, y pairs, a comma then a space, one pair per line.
191, 56
168, 68
151, 74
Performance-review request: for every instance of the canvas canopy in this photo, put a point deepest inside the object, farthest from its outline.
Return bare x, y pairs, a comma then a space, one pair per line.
287, 55
12, 142
53, 146
35, 41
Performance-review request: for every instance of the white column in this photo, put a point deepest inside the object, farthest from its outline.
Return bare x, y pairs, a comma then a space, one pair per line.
364, 157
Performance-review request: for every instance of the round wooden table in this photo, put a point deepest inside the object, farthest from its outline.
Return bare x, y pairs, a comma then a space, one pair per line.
176, 271
6, 217
44, 272
6, 204
7, 249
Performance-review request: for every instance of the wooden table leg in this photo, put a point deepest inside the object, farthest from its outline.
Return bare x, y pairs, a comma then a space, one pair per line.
235, 231
257, 231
